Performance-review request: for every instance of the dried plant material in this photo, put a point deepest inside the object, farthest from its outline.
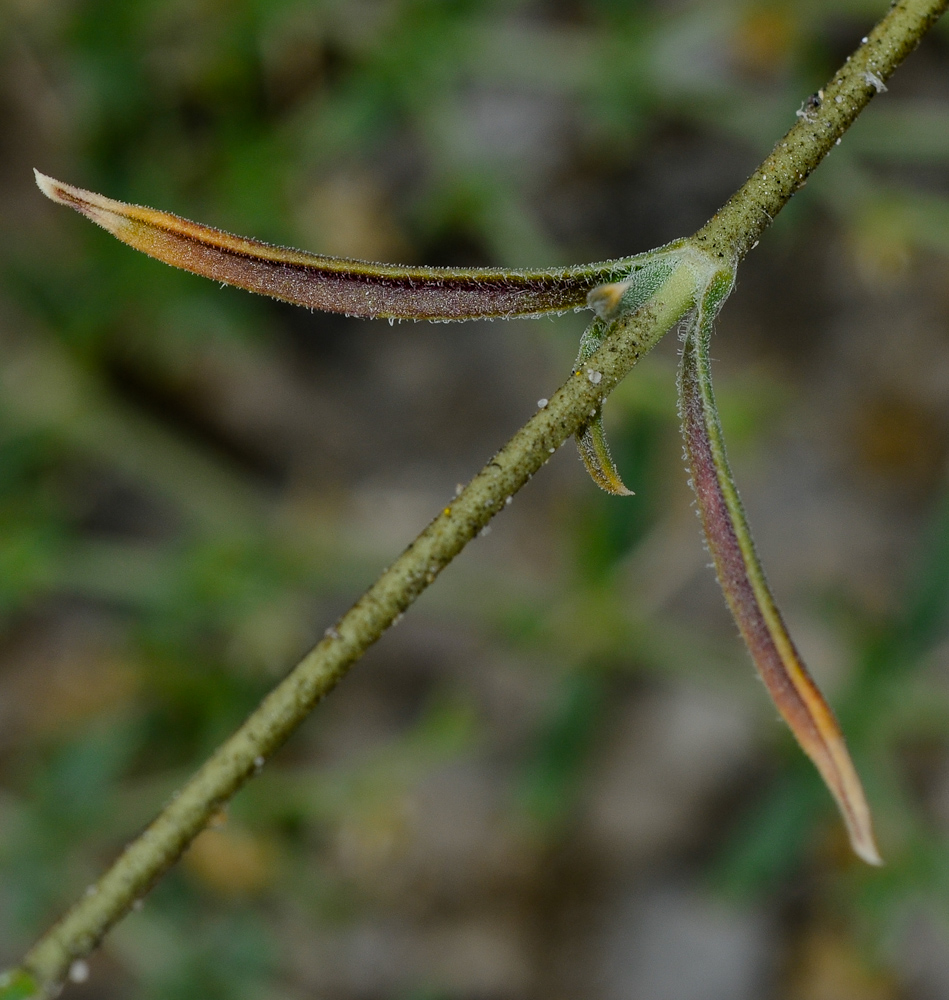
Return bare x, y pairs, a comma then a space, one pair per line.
333, 284
606, 300
746, 590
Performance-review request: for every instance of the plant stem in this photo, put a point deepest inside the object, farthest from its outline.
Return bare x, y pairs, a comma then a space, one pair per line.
822, 122
729, 235
147, 858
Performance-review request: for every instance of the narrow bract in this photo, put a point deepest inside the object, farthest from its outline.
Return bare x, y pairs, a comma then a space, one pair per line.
335, 284
743, 582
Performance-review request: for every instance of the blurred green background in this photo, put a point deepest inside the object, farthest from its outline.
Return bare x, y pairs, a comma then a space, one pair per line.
558, 777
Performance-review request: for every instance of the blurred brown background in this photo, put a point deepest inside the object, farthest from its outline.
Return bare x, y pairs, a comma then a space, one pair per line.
558, 777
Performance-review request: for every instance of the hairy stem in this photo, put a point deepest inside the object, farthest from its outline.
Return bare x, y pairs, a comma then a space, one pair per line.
822, 122
282, 711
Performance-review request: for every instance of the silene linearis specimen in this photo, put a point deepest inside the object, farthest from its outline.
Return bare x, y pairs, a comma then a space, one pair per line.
634, 301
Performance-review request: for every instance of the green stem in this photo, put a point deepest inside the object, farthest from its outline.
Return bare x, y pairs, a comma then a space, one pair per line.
822, 122
146, 859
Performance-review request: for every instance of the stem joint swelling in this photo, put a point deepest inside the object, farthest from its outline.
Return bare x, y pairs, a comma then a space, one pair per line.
635, 301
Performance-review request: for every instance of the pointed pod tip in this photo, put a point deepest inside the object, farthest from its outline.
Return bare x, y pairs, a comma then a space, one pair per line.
865, 847
113, 216
607, 478
63, 194
47, 185
844, 783
615, 487
595, 453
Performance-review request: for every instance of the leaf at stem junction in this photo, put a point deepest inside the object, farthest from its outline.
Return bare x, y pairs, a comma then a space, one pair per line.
591, 438
334, 284
595, 452
746, 590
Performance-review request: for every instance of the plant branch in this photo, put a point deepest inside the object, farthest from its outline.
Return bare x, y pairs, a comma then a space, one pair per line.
282, 711
822, 121
723, 241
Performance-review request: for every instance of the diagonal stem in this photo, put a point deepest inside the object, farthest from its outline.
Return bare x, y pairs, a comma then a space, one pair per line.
822, 122
146, 859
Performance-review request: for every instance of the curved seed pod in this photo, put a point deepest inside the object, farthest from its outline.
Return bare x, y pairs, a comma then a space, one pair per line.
746, 590
335, 284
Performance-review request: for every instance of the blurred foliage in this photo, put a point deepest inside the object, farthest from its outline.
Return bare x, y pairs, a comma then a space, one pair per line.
180, 469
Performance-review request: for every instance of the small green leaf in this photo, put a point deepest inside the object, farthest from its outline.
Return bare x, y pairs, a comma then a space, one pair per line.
617, 298
591, 439
595, 452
